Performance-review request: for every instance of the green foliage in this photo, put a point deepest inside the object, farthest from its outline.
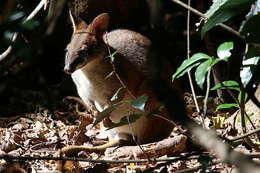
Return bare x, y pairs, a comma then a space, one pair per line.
249, 65
201, 71
223, 10
139, 103
15, 22
101, 115
204, 63
188, 64
112, 56
155, 111
115, 96
242, 97
126, 120
230, 84
224, 50
29, 25
227, 106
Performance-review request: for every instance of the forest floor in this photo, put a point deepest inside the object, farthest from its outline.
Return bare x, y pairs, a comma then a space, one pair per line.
42, 133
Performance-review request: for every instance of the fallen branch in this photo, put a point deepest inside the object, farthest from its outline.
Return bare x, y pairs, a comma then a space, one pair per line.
209, 140
245, 135
172, 159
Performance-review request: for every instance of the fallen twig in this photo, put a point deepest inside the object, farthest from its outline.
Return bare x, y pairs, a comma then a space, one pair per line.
245, 135
24, 158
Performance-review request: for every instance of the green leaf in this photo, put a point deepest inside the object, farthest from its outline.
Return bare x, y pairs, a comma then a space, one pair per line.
139, 103
230, 84
185, 71
249, 65
8, 35
29, 25
16, 16
155, 111
227, 106
242, 97
126, 120
224, 49
112, 56
115, 96
101, 115
201, 72
185, 66
110, 74
222, 10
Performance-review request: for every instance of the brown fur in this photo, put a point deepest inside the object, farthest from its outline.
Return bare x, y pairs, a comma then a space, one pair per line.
90, 68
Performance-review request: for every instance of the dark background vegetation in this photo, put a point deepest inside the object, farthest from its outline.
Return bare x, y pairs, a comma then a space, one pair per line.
32, 75
32, 78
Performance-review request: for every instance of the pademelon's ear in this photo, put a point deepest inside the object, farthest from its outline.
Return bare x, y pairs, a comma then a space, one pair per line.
100, 24
77, 22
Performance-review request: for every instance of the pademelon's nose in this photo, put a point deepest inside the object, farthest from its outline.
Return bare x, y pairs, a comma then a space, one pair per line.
67, 69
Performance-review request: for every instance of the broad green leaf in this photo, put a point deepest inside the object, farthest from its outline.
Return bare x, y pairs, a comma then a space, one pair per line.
224, 49
201, 71
222, 10
227, 106
185, 66
115, 96
126, 120
139, 103
249, 65
101, 115
185, 71
230, 84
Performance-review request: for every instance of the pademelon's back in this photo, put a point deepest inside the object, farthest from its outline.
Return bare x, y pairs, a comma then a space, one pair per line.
132, 45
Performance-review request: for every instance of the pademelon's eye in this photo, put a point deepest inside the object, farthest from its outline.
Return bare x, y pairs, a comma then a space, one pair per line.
83, 51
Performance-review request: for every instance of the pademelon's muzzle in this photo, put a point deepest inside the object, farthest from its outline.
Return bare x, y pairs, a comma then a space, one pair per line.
70, 64
67, 69
73, 63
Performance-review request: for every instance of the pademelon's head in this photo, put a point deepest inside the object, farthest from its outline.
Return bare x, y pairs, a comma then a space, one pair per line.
86, 41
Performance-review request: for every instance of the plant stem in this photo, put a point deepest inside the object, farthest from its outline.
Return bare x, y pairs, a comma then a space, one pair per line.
207, 93
188, 56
